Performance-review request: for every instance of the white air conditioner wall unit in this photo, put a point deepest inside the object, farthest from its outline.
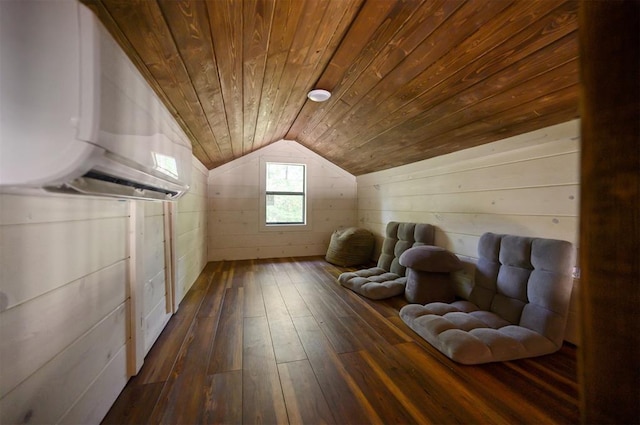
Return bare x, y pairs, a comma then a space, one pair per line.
76, 116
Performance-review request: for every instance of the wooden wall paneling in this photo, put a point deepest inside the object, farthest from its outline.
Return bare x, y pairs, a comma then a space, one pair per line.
135, 288
154, 292
226, 24
556, 170
66, 251
356, 37
489, 188
97, 400
526, 117
310, 27
36, 331
337, 19
51, 390
476, 103
189, 26
286, 16
391, 43
257, 20
153, 245
234, 227
25, 209
155, 321
171, 304
554, 200
554, 140
459, 68
609, 372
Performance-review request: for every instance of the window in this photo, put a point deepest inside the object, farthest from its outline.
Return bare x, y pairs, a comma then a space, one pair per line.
285, 194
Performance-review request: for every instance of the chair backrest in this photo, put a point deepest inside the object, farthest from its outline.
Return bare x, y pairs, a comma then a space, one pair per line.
526, 281
398, 238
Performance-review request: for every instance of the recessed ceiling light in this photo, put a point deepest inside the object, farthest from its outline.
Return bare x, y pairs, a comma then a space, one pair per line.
319, 95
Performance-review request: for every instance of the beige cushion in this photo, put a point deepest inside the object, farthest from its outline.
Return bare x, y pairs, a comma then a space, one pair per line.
350, 247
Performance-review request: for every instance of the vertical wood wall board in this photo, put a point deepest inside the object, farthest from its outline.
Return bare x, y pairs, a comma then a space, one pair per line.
54, 388
35, 331
155, 322
65, 251
98, 398
25, 209
154, 292
190, 232
135, 287
153, 209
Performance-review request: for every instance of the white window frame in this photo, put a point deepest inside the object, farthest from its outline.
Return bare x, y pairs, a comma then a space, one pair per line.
264, 227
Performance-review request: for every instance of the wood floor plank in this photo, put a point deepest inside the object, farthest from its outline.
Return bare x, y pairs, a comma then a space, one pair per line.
387, 402
263, 401
184, 394
253, 302
286, 344
292, 299
134, 404
161, 358
319, 353
226, 354
346, 400
212, 300
303, 397
224, 398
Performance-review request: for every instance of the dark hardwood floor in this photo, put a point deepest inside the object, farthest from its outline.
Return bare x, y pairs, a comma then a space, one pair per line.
280, 341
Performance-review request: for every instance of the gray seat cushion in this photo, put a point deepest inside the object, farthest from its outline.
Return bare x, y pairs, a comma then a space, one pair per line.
388, 278
517, 308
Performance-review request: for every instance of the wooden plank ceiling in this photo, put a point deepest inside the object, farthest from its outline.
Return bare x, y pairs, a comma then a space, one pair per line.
411, 79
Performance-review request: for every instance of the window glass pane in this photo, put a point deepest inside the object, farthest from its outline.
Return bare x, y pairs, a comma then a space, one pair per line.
285, 177
285, 209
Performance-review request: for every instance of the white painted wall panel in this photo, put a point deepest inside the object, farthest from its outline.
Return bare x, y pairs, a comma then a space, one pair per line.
234, 227
191, 231
525, 185
63, 289
44, 397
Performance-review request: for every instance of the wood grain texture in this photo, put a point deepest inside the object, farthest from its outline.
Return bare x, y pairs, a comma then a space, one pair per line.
391, 376
609, 226
410, 79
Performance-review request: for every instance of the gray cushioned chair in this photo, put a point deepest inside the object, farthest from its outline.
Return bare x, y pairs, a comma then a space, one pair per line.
517, 307
388, 278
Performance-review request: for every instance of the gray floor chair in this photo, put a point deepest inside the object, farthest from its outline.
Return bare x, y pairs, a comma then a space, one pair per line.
388, 278
517, 308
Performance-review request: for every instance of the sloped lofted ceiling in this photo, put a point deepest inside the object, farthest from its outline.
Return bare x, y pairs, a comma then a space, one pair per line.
410, 79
